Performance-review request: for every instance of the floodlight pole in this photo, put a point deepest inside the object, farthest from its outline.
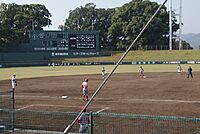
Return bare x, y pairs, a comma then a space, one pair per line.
170, 24
180, 25
92, 25
67, 129
13, 110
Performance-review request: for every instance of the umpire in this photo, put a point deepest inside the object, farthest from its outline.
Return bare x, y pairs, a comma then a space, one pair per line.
190, 72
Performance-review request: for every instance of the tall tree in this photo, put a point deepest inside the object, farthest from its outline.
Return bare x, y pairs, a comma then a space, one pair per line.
185, 45
17, 20
81, 18
91, 18
129, 19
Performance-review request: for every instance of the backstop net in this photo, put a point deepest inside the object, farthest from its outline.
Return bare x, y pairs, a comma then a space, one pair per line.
109, 123
48, 122
54, 122
6, 111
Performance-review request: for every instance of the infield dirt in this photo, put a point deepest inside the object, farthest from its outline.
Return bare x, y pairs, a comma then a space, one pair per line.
158, 94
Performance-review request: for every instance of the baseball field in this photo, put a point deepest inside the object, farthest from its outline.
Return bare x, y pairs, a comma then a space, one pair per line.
162, 92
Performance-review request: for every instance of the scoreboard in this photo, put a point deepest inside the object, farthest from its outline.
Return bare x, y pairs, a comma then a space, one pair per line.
69, 40
81, 41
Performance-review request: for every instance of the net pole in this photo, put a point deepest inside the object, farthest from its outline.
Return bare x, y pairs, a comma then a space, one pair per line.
67, 129
13, 109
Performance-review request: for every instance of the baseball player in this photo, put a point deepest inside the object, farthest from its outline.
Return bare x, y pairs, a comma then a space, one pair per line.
141, 72
103, 72
83, 120
85, 90
190, 72
14, 82
53, 64
179, 69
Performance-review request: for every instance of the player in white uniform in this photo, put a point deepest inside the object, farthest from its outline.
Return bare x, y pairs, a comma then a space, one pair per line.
103, 72
13, 82
141, 72
53, 64
179, 69
85, 90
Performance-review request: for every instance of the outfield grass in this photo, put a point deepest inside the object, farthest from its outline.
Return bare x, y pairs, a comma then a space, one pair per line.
33, 72
175, 55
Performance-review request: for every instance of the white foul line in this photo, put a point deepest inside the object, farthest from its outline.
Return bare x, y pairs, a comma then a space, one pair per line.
25, 107
103, 109
126, 100
112, 99
51, 97
158, 100
49, 105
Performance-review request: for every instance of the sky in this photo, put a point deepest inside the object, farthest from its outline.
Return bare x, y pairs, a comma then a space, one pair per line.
60, 10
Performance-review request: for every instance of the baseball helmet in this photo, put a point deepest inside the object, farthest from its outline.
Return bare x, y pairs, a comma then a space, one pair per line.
86, 79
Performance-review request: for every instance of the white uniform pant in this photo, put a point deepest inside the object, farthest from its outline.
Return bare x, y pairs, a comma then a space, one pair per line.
85, 92
83, 129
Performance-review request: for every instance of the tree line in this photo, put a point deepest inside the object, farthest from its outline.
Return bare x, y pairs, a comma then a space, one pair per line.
17, 20
118, 26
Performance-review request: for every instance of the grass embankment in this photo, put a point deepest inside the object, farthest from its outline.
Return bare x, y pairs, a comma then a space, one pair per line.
175, 55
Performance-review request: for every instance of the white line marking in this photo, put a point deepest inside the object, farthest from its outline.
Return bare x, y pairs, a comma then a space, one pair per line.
49, 105
106, 108
43, 105
144, 100
158, 100
25, 96
25, 107
39, 131
112, 99
135, 100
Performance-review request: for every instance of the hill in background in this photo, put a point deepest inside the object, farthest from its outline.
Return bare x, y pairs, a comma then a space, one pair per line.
193, 39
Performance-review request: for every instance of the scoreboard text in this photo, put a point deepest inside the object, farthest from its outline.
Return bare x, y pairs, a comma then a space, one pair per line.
64, 40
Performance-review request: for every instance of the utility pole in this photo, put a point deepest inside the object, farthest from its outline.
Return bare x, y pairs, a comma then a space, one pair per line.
170, 24
92, 24
93, 21
180, 25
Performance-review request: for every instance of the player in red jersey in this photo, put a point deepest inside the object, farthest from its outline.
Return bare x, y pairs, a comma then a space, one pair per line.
85, 90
